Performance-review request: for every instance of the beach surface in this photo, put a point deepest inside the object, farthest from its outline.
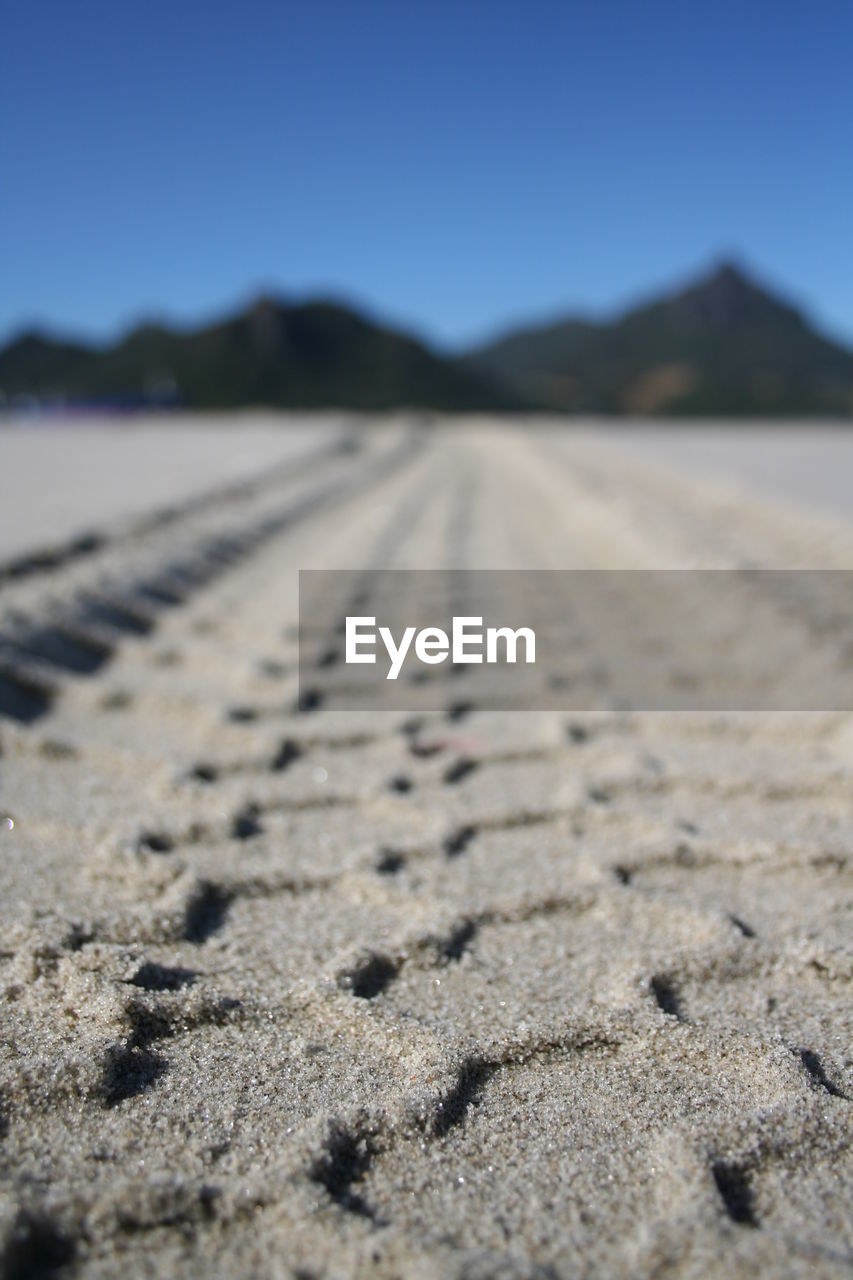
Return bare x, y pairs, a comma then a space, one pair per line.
302, 993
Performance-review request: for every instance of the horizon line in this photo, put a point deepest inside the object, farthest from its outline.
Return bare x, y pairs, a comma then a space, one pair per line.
352, 300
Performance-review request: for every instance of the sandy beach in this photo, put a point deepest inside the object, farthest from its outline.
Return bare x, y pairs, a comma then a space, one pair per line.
303, 993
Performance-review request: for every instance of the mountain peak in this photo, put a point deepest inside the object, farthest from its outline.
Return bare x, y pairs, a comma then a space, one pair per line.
265, 304
727, 299
729, 273
720, 345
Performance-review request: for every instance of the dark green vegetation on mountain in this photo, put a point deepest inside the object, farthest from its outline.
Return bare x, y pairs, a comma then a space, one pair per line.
723, 346
308, 356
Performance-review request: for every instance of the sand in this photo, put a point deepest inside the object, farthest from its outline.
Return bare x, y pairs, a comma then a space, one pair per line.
294, 994
62, 480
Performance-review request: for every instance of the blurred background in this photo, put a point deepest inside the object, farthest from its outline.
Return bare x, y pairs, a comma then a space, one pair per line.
599, 208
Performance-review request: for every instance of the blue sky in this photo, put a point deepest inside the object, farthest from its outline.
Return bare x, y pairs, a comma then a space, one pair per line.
453, 166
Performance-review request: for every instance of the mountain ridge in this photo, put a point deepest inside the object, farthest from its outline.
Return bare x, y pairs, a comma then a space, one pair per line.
722, 345
311, 354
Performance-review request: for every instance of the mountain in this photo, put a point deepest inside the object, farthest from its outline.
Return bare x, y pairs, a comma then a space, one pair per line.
723, 346
303, 356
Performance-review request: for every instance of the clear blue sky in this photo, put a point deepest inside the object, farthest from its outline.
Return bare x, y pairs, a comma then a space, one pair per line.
453, 165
